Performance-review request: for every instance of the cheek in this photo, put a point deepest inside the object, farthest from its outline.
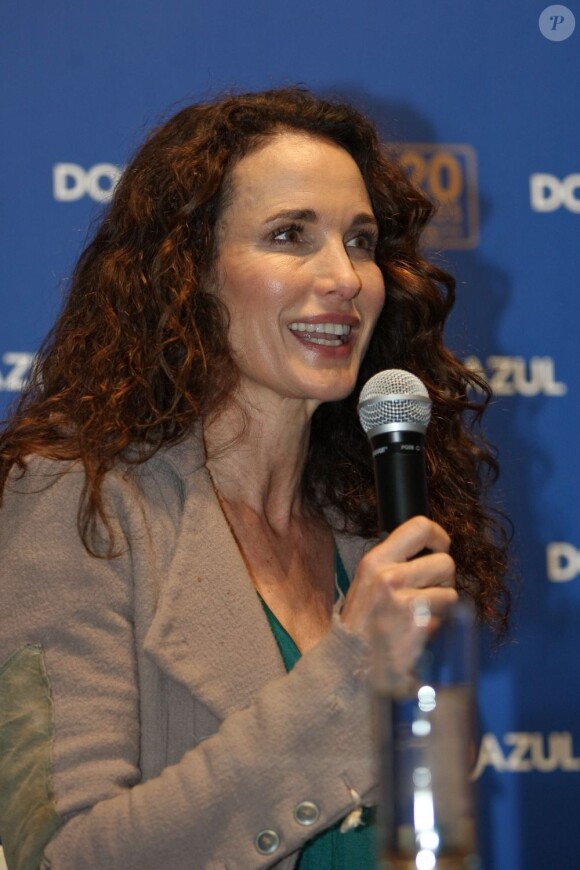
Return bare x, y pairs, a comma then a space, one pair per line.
254, 320
255, 291
376, 299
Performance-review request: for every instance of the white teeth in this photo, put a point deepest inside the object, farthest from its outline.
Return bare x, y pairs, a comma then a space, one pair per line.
341, 329
313, 332
337, 342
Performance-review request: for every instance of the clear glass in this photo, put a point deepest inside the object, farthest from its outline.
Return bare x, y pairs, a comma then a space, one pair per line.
425, 717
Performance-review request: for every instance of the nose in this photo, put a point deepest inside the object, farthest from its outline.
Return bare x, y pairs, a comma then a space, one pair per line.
336, 272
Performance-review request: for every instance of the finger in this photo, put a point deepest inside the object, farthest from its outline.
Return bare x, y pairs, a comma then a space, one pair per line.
439, 600
419, 533
413, 536
406, 620
435, 569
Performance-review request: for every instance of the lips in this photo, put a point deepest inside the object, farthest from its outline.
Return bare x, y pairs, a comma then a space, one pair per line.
329, 334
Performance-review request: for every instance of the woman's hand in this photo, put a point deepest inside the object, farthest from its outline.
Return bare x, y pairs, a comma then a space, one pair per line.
388, 582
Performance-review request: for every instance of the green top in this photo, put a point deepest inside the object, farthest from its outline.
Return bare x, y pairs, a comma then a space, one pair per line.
330, 850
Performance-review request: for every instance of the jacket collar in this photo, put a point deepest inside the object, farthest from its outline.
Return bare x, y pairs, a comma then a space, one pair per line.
210, 632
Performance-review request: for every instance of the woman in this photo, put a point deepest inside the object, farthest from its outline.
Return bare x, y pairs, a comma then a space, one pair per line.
184, 481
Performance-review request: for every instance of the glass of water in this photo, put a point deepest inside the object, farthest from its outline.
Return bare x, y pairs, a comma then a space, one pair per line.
425, 718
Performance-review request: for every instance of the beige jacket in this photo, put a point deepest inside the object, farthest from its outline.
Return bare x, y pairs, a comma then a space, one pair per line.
146, 719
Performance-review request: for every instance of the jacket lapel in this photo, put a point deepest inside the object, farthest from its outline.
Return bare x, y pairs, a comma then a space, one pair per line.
210, 632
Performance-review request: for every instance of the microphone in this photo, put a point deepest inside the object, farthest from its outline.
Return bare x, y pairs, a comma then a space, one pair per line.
394, 410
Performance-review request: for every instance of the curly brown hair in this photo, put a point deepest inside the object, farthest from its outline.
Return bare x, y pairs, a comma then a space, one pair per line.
140, 351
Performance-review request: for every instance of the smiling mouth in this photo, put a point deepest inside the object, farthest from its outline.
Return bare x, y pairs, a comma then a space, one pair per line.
328, 334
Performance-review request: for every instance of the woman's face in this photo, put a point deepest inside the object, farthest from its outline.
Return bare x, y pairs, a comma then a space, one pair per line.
296, 271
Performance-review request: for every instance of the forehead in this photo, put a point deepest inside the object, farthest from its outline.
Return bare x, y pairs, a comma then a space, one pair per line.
294, 166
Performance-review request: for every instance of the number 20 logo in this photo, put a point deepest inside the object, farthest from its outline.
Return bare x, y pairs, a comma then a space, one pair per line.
447, 173
439, 174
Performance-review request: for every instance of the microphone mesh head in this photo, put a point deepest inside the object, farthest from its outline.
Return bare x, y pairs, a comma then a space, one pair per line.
394, 396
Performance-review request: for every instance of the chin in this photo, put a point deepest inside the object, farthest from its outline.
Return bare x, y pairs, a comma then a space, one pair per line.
333, 392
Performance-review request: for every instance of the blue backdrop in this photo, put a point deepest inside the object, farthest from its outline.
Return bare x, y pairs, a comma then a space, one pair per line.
482, 96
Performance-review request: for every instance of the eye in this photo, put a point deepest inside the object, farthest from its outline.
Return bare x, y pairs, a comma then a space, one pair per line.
291, 234
365, 242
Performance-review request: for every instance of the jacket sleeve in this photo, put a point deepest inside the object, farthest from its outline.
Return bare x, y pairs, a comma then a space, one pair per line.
70, 679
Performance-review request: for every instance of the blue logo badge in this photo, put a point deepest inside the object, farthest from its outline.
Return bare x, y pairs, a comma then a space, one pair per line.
557, 23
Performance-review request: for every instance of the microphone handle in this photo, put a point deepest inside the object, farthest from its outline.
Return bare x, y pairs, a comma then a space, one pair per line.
400, 477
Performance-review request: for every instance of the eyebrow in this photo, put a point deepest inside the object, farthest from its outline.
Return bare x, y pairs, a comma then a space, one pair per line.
308, 214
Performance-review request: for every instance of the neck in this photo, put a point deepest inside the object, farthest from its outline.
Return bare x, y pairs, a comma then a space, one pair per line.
257, 460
